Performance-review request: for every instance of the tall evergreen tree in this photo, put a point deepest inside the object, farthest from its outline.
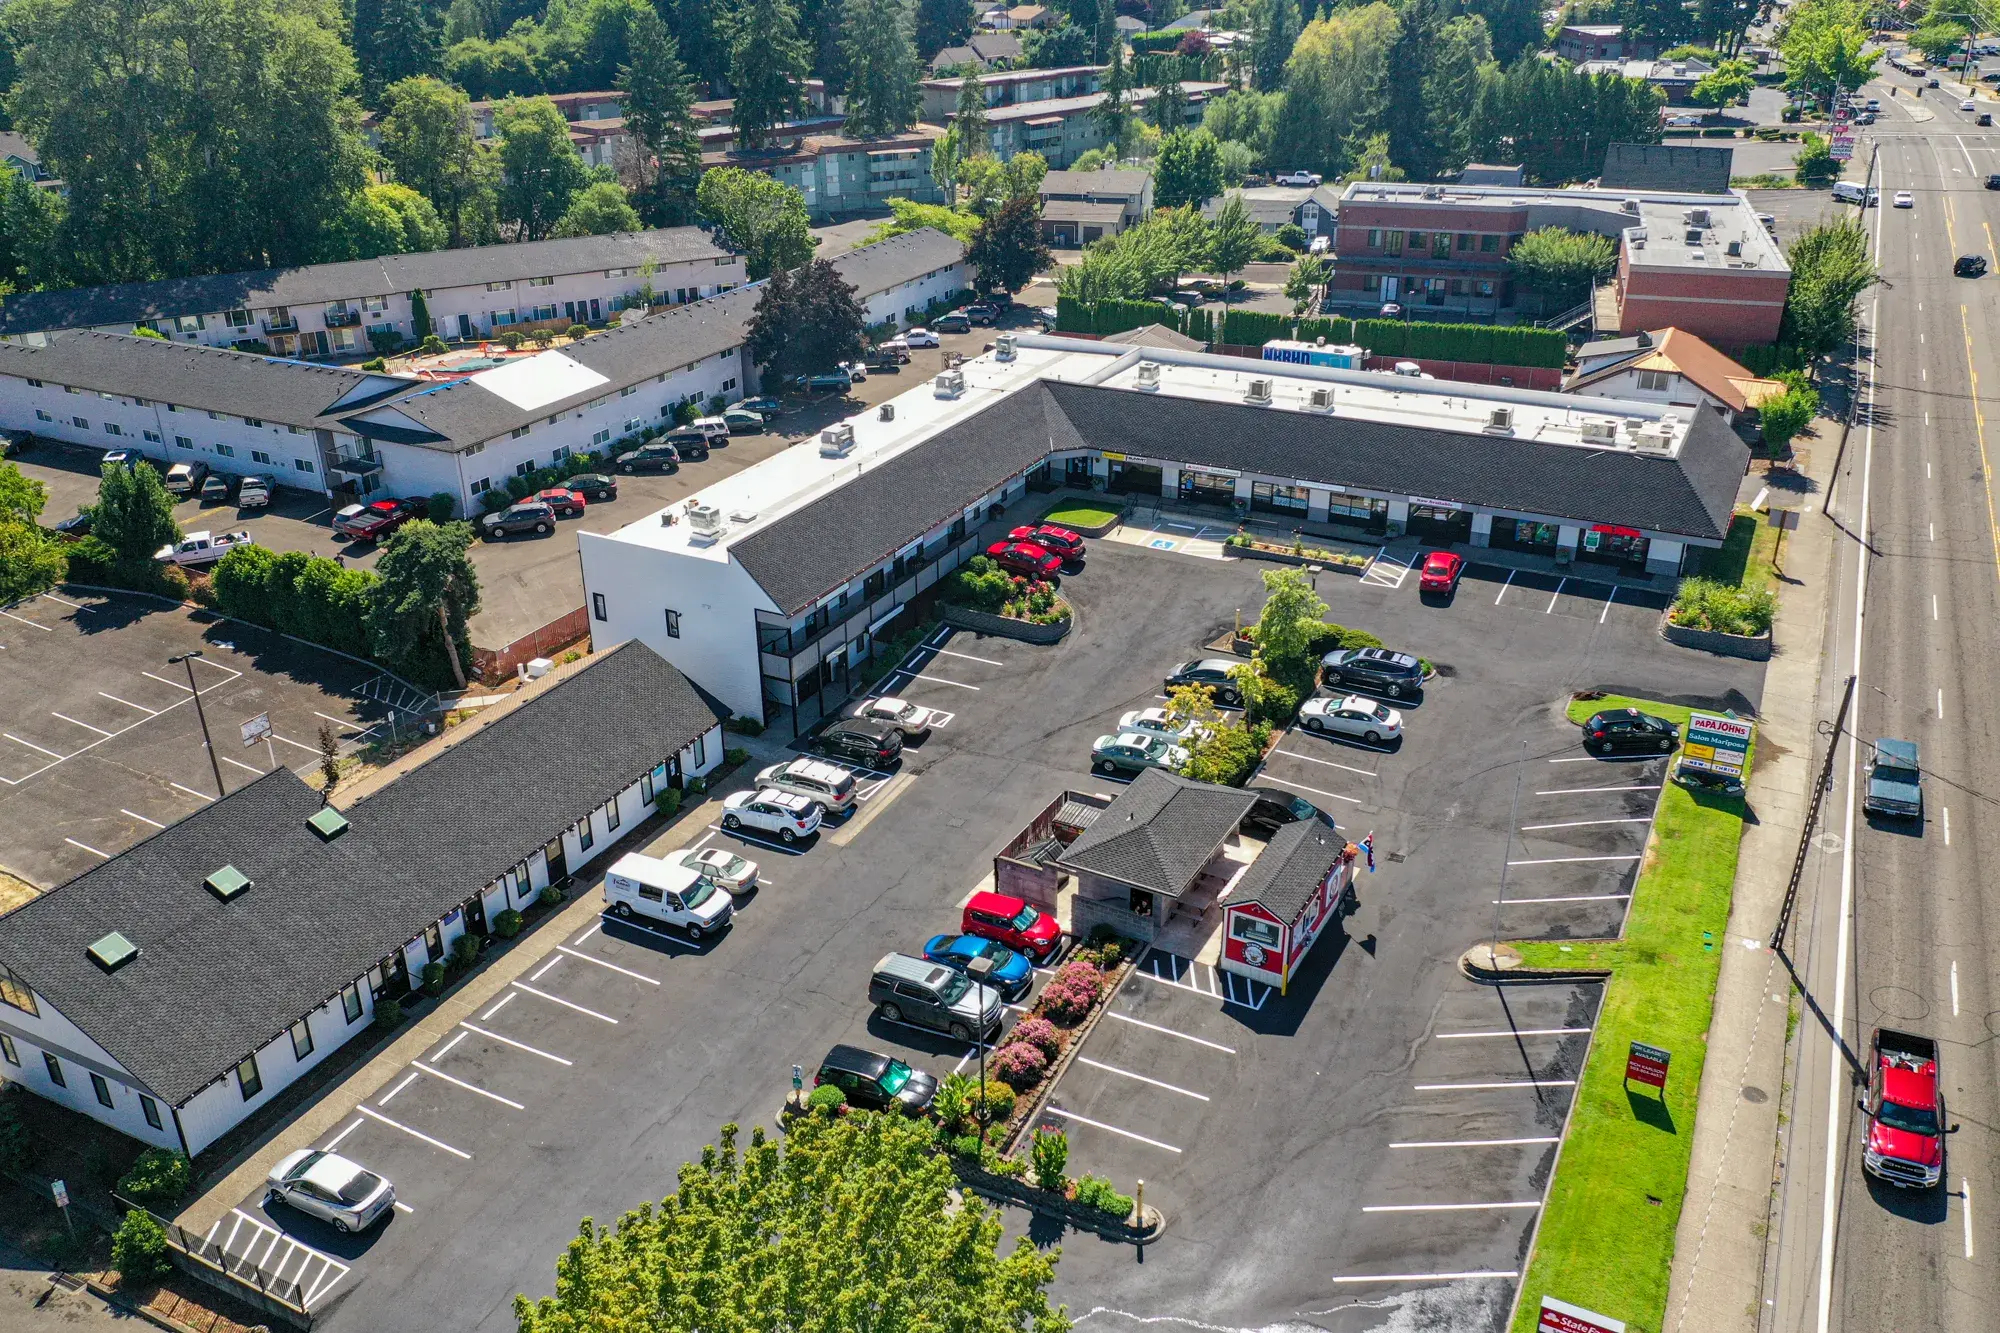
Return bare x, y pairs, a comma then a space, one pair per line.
768, 64
1104, 32
1113, 114
942, 23
397, 39
820, 26
1277, 33
700, 27
1169, 100
969, 119
658, 96
883, 93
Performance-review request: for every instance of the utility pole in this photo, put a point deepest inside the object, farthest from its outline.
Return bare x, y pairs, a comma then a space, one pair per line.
187, 660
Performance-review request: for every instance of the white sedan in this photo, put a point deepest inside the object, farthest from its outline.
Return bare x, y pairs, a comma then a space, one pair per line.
1354, 716
906, 717
1159, 722
723, 868
1904, 199
920, 338
331, 1188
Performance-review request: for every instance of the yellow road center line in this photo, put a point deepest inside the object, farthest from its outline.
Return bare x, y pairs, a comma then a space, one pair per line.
1979, 430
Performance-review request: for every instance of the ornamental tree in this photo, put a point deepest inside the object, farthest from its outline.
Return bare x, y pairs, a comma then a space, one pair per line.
1007, 250
807, 321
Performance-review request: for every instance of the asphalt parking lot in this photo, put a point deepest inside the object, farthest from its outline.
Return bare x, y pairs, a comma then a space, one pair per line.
1262, 1123
100, 742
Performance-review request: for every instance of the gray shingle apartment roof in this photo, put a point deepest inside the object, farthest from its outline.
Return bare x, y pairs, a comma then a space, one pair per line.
1654, 166
822, 545
214, 981
318, 284
1060, 183
1160, 832
1288, 871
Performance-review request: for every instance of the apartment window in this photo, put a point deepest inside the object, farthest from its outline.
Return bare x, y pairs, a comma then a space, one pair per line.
1440, 245
151, 1110
34, 384
293, 430
542, 312
102, 1089
43, 416
597, 606
226, 450
375, 304
189, 323
502, 318
519, 431
302, 1039
498, 286
602, 437
237, 319
628, 391
1417, 240
253, 421
524, 467
302, 465
7, 1051
477, 448
699, 752
611, 813
1395, 242
259, 456
215, 416
1485, 289
617, 272
541, 282
80, 423
559, 455
67, 389
113, 428
248, 1080
152, 436
727, 385
1488, 244
633, 423
586, 836
480, 487
1465, 240
350, 1002
54, 1066
183, 442
673, 624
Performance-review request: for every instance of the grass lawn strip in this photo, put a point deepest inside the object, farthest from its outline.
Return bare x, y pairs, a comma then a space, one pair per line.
1606, 1240
1745, 559
1081, 516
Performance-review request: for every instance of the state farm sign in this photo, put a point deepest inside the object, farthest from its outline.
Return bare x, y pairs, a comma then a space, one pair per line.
1562, 1317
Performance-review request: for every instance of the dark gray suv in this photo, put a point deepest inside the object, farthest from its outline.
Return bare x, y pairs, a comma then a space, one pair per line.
1374, 671
924, 994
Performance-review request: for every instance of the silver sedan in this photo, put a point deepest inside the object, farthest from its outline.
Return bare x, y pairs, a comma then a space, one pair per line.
723, 868
1355, 716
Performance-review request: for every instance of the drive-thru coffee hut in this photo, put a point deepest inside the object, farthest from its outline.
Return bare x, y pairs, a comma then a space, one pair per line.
1285, 901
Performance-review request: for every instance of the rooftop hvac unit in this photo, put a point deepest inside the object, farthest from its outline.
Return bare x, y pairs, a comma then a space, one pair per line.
836, 441
888, 412
1693, 236
1599, 430
1500, 421
1697, 217
1259, 393
1003, 347
1629, 206
1734, 247
950, 383
1149, 374
1657, 438
705, 523
1320, 398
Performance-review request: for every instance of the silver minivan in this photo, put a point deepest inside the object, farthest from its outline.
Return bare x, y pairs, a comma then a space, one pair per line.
911, 990
816, 780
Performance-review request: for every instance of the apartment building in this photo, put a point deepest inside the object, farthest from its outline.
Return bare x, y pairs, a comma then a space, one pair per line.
839, 175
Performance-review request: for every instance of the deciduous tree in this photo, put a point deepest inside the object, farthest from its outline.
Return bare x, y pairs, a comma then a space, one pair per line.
428, 592
429, 145
807, 321
134, 515
543, 169
988, 182
1007, 251
22, 497
1561, 266
599, 209
1824, 45
395, 40
1234, 239
1830, 269
31, 560
388, 219
1188, 169
764, 218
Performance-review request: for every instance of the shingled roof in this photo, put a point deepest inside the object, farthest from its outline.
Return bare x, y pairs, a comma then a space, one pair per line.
1160, 832
215, 980
1289, 870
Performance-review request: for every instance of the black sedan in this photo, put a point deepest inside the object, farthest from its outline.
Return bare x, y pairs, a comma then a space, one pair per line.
595, 486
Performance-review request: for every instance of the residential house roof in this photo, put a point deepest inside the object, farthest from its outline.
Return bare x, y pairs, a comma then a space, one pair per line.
1095, 184
216, 980
982, 48
1275, 205
1688, 168
1290, 869
1160, 833
807, 147
16, 147
1678, 352
1125, 23
1195, 91
1487, 173
1194, 18
1157, 335
321, 284
1069, 210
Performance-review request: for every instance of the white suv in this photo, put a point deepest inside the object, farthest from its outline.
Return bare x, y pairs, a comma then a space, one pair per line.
790, 817
815, 779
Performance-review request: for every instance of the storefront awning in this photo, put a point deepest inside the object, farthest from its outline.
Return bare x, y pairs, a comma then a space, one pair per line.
1613, 530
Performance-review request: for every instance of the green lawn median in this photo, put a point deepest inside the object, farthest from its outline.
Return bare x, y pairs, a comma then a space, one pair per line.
1607, 1233
1082, 516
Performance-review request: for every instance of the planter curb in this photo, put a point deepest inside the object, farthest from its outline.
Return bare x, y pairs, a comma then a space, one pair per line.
1288, 558
1078, 1035
1007, 1189
985, 622
1749, 647
1472, 963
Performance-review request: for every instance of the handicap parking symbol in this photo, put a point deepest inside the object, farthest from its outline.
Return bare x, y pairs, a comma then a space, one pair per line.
1162, 543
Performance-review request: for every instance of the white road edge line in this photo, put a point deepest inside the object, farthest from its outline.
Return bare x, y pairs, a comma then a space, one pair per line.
1567, 860
1965, 1194
469, 1087
415, 1133
517, 1045
636, 976
1574, 898
1579, 791
567, 1004
1954, 988
1141, 1078
1477, 1143
1503, 1083
1513, 1032
1447, 1207
1199, 1041
1470, 1275
1586, 823
1099, 1124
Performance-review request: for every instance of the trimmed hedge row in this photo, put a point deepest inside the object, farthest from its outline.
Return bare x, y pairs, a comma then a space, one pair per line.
311, 596
1492, 344
1108, 317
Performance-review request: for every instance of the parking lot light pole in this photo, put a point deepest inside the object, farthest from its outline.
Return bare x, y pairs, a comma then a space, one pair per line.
187, 659
980, 970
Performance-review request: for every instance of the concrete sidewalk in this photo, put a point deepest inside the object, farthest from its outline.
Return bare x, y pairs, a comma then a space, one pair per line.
1717, 1280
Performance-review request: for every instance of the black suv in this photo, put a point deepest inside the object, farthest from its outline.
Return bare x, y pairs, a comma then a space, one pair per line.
876, 1082
1375, 670
860, 740
528, 516
1628, 729
1276, 808
1210, 671
655, 457
1969, 266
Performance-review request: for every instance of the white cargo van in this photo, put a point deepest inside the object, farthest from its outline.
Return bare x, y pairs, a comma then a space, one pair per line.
1847, 192
668, 893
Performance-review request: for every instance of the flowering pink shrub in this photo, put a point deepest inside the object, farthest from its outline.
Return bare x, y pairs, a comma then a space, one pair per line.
1038, 1033
1020, 1066
1068, 997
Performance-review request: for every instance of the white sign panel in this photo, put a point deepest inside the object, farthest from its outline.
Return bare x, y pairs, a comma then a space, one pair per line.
1562, 1317
257, 728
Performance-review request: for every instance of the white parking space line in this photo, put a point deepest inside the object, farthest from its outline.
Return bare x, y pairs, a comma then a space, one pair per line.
1571, 860
1447, 1207
245, 767
66, 602
1577, 759
164, 681
598, 925
469, 1087
32, 746
415, 1133
445, 1049
11, 616
1573, 898
149, 712
1560, 584
1502, 1083
567, 1004
88, 848
335, 1141
1588, 823
1503, 587
1579, 791
1139, 1078
85, 725
191, 791
625, 971
402, 1207
517, 1045
1469, 1275
1318, 791
946, 652
1199, 1041
940, 680
1312, 759
544, 968
1513, 1032
402, 1083
505, 1000
1226, 991
1478, 1143
1113, 1129
1607, 604
141, 818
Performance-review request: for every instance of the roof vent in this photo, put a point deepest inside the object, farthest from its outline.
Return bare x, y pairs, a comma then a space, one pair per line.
1734, 247
1149, 374
1697, 217
1599, 430
1259, 393
950, 383
1320, 398
1003, 347
228, 882
837, 440
1693, 236
1500, 421
742, 516
706, 522
888, 412
328, 823
1697, 256
113, 952
1629, 206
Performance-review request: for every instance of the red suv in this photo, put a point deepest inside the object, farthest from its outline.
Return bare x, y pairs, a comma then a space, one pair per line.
1046, 535
1037, 562
1013, 922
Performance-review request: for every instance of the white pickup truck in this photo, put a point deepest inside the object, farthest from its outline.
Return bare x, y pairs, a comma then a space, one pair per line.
202, 548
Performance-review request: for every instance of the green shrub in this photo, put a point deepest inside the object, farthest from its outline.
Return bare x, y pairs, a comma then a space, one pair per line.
507, 924
668, 801
465, 951
550, 896
139, 1249
969, 1146
433, 981
953, 1102
1049, 1152
696, 785
432, 345
745, 726
384, 341
160, 1176
441, 507
311, 596
388, 1013
1097, 1192
981, 585
1705, 604
375, 364
999, 1102
735, 754
577, 331
826, 1097
512, 340
1293, 237
491, 501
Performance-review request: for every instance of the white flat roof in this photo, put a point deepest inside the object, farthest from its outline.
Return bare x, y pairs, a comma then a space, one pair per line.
537, 381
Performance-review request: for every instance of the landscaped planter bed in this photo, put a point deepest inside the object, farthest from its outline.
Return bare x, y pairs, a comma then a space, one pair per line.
1279, 554
1750, 647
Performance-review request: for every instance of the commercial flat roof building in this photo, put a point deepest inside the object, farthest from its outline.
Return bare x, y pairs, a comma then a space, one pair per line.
769, 586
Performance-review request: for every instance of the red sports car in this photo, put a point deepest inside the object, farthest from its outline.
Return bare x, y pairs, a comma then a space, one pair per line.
567, 503
1442, 570
1025, 558
1060, 540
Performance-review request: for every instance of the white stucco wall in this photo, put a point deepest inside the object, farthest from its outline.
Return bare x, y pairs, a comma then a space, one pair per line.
716, 599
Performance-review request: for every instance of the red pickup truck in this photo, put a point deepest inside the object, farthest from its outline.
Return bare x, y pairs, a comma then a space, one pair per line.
1903, 1135
373, 522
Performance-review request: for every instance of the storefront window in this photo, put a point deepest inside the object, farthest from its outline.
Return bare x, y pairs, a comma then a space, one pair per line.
1253, 931
1356, 509
1270, 495
1526, 533
1207, 488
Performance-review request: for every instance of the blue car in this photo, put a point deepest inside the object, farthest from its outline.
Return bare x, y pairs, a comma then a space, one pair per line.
1012, 972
